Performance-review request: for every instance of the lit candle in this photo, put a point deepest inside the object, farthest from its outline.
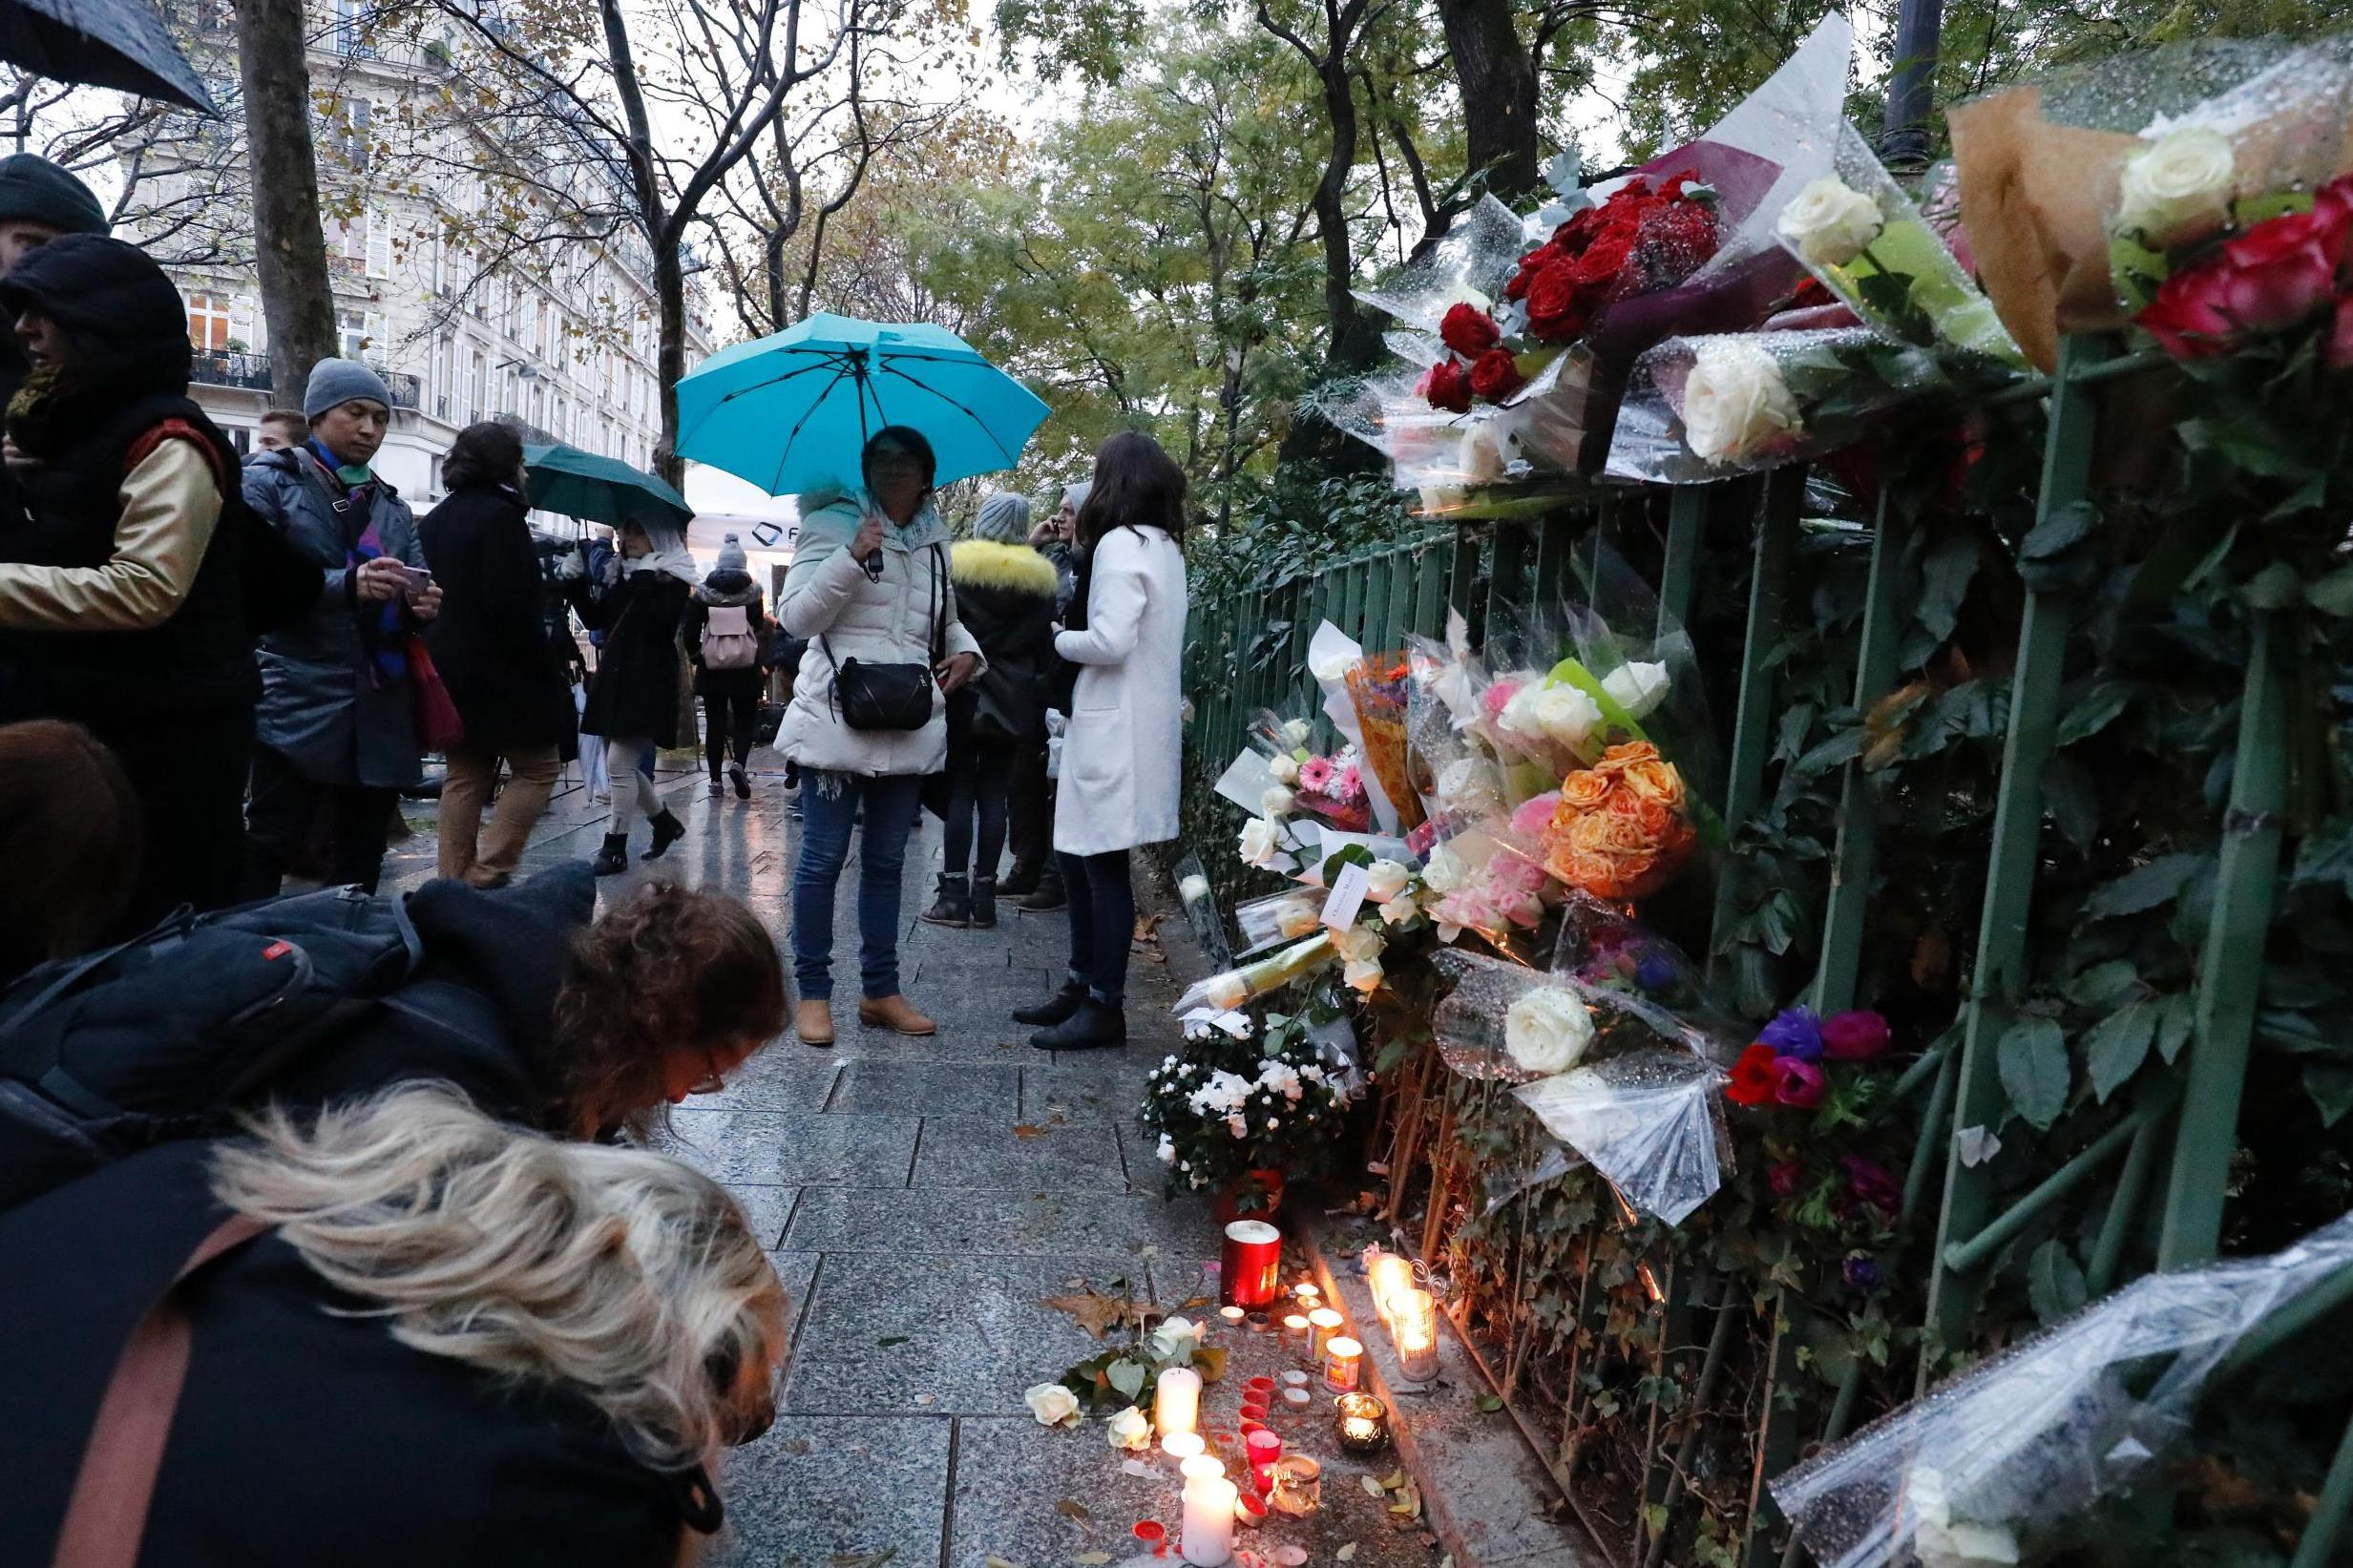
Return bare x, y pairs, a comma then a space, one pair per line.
1208, 1540
1183, 1444
1321, 1325
1250, 1264
1343, 1364
1294, 1329
1309, 1296
1176, 1400
1413, 1323
1391, 1276
1202, 1467
1362, 1424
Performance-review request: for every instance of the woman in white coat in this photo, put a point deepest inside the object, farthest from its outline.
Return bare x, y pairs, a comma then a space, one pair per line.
1126, 632
870, 585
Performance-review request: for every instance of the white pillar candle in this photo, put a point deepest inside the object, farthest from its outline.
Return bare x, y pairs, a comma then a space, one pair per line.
1202, 1466
1176, 1400
1208, 1540
1183, 1444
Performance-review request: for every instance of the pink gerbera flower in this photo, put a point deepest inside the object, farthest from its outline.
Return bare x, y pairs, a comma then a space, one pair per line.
1349, 786
1316, 775
1499, 693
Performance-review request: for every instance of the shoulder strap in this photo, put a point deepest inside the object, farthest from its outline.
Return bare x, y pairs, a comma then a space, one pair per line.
939, 605
106, 1517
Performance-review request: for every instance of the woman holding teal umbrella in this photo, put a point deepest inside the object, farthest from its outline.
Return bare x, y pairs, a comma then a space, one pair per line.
870, 590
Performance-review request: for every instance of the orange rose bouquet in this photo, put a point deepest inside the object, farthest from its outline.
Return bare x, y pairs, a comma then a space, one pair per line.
1621, 829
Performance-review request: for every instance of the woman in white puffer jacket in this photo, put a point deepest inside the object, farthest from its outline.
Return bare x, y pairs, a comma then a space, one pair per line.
869, 583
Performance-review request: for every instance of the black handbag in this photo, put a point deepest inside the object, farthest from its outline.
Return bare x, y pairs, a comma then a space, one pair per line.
891, 696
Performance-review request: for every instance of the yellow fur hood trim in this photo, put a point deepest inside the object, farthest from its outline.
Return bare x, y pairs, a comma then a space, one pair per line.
985, 563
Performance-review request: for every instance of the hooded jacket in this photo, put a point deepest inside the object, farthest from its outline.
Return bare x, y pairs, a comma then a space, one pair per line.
727, 586
115, 568
900, 617
633, 692
1005, 594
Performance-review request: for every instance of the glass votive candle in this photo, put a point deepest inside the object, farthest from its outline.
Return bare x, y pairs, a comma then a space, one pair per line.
1390, 1276
1250, 1264
1249, 1509
1322, 1324
1183, 1444
1263, 1448
1362, 1424
1294, 1329
1259, 1386
1250, 1424
1299, 1488
1413, 1324
1343, 1365
1252, 1414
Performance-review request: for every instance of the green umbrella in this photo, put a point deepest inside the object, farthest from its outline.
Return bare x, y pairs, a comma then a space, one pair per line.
603, 490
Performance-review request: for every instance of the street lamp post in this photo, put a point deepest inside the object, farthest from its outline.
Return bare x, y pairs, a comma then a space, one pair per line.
1912, 90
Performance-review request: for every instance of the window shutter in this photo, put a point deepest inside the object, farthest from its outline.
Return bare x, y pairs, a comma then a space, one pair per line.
379, 246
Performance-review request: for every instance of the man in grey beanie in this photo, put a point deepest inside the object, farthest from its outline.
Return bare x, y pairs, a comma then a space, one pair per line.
337, 724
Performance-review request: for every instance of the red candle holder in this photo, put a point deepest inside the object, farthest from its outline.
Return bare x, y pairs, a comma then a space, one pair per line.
1251, 1265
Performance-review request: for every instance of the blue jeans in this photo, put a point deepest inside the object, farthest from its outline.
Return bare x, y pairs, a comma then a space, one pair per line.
829, 804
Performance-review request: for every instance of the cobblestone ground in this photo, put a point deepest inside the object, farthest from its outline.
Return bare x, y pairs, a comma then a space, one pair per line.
922, 1196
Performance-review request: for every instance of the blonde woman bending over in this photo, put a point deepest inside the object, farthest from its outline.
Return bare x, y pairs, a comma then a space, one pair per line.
451, 1342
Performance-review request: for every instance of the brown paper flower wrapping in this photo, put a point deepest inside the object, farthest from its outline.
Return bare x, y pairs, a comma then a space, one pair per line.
2033, 196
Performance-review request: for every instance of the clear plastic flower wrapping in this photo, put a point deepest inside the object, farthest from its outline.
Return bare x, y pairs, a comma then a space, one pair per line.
2042, 1430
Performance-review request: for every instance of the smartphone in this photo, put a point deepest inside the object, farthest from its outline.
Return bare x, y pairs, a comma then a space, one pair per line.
419, 579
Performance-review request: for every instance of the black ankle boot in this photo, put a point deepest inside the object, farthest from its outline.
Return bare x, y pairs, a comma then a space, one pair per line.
742, 785
953, 906
1049, 894
984, 904
1022, 883
1094, 1026
1055, 1009
667, 830
614, 858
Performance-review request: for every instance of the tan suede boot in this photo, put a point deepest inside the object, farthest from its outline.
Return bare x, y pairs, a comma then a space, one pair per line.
814, 1021
896, 1014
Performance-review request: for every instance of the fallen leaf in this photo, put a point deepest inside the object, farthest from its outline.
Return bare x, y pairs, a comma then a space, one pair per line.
1372, 1487
1092, 1559
1409, 1502
1395, 1479
1091, 1310
992, 1561
1345, 1552
798, 1445
1488, 1404
888, 1340
1028, 1129
1070, 1507
926, 1398
864, 1560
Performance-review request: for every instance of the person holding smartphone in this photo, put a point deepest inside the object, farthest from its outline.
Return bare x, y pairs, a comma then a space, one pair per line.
337, 724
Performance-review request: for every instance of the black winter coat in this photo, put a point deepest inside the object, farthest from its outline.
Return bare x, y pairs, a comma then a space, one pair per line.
128, 326
725, 588
1004, 595
634, 695
303, 1434
491, 641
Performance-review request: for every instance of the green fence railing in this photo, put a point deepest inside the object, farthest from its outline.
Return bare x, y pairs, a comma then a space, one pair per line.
2144, 1181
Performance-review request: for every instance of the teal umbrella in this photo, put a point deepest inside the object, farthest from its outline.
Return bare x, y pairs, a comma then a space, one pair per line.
791, 412
603, 490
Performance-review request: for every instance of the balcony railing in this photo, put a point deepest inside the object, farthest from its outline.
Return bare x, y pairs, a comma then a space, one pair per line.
227, 367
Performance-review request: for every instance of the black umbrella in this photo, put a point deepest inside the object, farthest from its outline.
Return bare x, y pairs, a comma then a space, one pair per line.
121, 44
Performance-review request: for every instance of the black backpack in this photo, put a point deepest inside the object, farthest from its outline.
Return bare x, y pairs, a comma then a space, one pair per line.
165, 1036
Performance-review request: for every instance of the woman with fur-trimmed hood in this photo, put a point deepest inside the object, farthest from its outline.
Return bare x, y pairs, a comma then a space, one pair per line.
1005, 593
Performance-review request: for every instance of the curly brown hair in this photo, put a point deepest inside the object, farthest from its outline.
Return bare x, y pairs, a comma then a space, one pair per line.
672, 969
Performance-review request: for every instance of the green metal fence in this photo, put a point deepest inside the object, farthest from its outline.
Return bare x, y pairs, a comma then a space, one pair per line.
2161, 1167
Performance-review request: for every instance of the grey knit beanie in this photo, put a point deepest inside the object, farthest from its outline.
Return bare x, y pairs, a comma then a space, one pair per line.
334, 383
34, 190
1076, 495
732, 557
1003, 519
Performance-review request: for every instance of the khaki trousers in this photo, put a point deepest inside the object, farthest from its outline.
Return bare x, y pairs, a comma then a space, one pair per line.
487, 859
